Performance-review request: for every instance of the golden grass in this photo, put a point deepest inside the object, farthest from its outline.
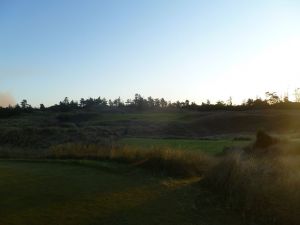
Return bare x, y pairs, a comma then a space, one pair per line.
159, 160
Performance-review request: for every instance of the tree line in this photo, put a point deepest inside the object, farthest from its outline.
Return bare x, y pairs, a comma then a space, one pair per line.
139, 103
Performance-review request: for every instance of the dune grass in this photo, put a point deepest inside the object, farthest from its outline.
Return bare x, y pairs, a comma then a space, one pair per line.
214, 146
264, 186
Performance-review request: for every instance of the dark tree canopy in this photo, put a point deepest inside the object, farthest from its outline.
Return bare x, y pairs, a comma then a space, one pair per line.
140, 103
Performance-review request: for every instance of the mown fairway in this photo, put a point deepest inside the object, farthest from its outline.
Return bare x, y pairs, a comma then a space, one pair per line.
41, 193
207, 146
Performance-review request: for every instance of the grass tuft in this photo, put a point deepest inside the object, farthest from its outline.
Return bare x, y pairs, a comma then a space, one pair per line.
264, 188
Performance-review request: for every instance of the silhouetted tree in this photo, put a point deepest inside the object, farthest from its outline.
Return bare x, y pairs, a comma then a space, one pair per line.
118, 103
42, 107
65, 101
82, 103
186, 103
220, 103
163, 103
272, 98
286, 98
157, 103
24, 104
297, 95
151, 102
110, 103
129, 102
250, 102
229, 101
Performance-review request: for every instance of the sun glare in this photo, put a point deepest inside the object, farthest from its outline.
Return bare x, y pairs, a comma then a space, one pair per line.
275, 68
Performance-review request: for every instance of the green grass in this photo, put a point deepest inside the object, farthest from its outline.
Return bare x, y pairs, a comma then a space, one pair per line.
71, 193
207, 146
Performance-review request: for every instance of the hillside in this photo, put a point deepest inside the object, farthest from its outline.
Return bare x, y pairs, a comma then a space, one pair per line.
162, 124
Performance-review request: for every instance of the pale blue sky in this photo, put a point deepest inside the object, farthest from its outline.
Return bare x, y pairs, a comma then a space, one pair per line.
176, 49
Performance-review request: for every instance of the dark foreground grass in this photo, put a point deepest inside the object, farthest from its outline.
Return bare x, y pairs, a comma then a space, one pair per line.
85, 193
213, 147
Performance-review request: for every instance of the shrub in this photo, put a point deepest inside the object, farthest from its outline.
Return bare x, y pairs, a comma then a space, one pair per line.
264, 140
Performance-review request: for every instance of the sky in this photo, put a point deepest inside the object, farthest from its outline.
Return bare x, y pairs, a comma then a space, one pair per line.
176, 49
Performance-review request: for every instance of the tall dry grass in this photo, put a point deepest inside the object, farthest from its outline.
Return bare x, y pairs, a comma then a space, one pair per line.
263, 187
159, 160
